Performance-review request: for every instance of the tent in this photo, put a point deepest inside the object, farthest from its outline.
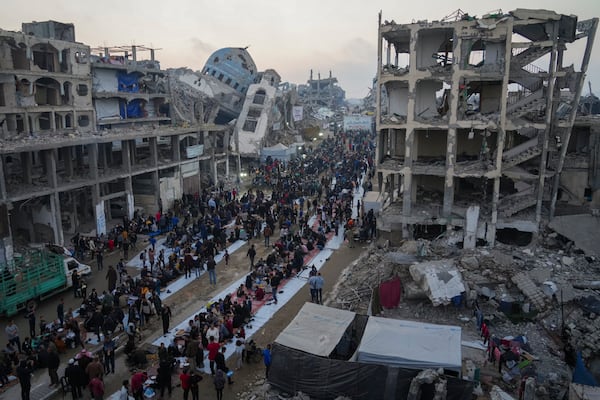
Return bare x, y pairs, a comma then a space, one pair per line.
313, 353
409, 344
316, 329
279, 151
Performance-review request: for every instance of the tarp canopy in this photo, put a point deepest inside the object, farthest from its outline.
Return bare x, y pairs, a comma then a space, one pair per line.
279, 151
409, 344
316, 329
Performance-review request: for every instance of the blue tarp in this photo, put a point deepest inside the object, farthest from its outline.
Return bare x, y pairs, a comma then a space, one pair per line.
128, 82
134, 109
581, 374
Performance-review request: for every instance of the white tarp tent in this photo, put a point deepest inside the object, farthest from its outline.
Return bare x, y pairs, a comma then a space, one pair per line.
279, 151
316, 329
408, 344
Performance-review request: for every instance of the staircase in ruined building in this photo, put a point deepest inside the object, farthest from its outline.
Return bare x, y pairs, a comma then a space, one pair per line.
521, 153
528, 56
533, 102
512, 204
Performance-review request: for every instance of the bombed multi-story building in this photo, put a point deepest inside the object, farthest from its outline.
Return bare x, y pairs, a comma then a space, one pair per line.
88, 136
475, 120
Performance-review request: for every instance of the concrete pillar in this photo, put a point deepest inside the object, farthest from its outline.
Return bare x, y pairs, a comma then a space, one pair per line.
92, 150
3, 191
125, 156
472, 220
449, 180
50, 160
27, 166
153, 147
53, 119
156, 184
67, 161
176, 154
549, 121
56, 213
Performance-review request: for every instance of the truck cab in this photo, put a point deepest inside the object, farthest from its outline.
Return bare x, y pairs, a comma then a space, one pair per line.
72, 265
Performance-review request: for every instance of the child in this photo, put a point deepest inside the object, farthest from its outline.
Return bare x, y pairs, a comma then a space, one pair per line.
226, 257
239, 351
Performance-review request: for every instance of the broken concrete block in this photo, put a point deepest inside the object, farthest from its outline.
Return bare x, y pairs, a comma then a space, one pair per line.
470, 262
501, 258
440, 279
529, 252
567, 261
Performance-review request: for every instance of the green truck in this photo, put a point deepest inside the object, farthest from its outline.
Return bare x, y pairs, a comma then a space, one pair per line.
35, 275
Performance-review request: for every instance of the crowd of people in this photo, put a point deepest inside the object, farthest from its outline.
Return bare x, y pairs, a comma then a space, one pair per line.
299, 205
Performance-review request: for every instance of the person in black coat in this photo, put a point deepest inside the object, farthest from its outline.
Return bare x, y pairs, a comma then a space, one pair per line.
24, 371
166, 318
220, 363
53, 364
76, 376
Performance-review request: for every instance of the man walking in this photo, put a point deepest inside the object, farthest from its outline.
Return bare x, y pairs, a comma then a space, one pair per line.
211, 268
53, 364
319, 288
220, 363
111, 277
251, 253
12, 333
267, 360
267, 232
275, 281
24, 371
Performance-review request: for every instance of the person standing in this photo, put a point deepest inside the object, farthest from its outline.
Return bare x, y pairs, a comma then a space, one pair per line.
251, 254
76, 376
53, 364
124, 391
108, 350
220, 364
164, 378
31, 319
219, 382
75, 279
211, 268
111, 277
184, 378
319, 282
213, 350
267, 232
275, 281
24, 371
194, 380
166, 318
267, 360
60, 312
312, 284
137, 385
99, 259
12, 333
97, 388
226, 257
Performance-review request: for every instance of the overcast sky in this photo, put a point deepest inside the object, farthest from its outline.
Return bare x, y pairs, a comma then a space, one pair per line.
291, 36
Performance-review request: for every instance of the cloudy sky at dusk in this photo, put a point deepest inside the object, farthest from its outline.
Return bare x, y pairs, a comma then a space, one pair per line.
288, 35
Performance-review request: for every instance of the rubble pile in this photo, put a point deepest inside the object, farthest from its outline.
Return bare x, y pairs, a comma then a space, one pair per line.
518, 289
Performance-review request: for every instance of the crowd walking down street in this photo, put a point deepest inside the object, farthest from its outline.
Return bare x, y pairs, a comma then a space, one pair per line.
307, 207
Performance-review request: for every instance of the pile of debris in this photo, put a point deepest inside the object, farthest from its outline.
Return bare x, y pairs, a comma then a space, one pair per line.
542, 294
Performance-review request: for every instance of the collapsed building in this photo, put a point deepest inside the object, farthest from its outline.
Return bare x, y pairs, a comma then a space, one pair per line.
322, 92
475, 136
91, 137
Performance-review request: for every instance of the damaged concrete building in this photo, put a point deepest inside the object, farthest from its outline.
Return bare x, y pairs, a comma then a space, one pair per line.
90, 137
473, 132
322, 92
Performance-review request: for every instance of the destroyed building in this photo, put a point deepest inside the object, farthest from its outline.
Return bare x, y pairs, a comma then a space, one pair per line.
322, 92
87, 138
475, 124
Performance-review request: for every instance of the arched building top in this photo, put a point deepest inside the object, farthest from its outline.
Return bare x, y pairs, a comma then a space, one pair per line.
233, 66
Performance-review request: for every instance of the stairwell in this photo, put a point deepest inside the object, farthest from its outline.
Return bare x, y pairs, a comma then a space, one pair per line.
512, 204
521, 153
528, 56
533, 102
